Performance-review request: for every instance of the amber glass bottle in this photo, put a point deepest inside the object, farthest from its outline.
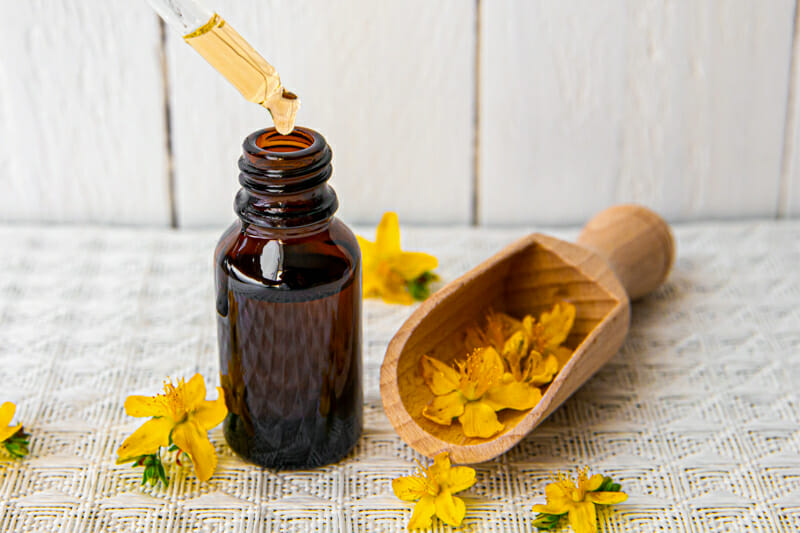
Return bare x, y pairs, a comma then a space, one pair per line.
288, 281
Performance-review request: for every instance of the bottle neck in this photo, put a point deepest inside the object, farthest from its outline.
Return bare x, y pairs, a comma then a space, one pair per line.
284, 181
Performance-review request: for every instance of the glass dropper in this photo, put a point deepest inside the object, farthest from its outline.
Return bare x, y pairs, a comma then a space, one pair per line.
231, 56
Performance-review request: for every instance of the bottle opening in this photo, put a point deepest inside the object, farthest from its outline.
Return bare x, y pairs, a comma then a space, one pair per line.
283, 179
296, 141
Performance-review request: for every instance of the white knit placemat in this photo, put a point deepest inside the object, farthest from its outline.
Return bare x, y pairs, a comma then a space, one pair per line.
698, 416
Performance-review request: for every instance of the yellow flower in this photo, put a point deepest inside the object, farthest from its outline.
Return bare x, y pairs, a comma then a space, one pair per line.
6, 416
531, 349
12, 438
539, 369
534, 353
552, 329
433, 488
181, 416
474, 391
389, 272
578, 499
499, 326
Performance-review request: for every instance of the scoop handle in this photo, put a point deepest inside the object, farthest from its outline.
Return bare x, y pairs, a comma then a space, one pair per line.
637, 243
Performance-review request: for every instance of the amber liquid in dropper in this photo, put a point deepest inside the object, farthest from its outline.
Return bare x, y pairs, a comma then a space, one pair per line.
256, 79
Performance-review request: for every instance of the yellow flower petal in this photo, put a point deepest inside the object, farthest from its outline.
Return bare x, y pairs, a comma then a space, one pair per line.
542, 371
397, 297
583, 517
594, 482
499, 327
394, 292
8, 432
7, 411
411, 265
194, 392
461, 509
479, 420
533, 330
448, 508
423, 513
558, 323
410, 488
483, 368
440, 468
491, 364
145, 406
371, 285
387, 235
547, 509
559, 500
210, 414
514, 349
194, 441
562, 355
440, 377
146, 440
606, 497
369, 253
474, 339
443, 409
516, 345
460, 478
513, 395
509, 324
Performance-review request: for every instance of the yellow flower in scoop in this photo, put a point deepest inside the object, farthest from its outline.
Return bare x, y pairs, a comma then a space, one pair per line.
577, 498
499, 327
531, 348
433, 488
552, 329
473, 391
181, 416
389, 272
526, 364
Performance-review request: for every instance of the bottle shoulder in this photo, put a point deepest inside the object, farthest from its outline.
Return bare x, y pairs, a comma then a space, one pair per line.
301, 261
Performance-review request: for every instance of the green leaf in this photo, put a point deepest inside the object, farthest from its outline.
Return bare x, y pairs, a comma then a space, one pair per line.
544, 521
17, 444
162, 475
419, 288
153, 469
608, 485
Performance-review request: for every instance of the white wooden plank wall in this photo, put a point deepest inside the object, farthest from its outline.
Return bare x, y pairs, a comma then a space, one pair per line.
389, 83
82, 134
691, 107
677, 105
789, 201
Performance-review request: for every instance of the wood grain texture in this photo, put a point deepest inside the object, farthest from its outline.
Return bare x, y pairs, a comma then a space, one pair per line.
637, 243
81, 113
387, 83
677, 105
527, 277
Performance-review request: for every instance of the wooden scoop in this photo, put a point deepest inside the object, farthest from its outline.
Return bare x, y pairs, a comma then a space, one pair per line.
622, 254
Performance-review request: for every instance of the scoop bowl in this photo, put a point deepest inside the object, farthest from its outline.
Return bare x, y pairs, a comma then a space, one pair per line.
622, 254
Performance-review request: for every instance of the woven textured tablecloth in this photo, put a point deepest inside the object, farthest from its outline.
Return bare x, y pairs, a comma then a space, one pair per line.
698, 416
